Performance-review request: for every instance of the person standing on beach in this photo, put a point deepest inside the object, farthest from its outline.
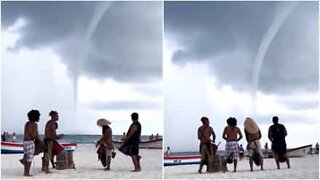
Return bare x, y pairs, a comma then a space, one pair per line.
253, 136
130, 145
49, 137
106, 147
30, 136
277, 134
230, 134
204, 135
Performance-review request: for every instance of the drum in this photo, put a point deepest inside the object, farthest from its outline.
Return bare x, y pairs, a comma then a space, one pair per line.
62, 160
56, 148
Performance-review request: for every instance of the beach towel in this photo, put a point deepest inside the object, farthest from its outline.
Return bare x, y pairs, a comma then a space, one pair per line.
102, 155
125, 149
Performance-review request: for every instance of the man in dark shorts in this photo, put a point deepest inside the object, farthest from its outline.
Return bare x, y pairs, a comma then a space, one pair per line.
50, 136
277, 134
132, 140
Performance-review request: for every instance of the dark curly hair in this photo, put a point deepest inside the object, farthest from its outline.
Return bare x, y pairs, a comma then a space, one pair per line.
34, 115
232, 121
135, 116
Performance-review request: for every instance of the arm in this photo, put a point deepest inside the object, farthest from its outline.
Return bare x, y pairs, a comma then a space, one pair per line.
259, 134
132, 129
240, 134
246, 134
199, 133
285, 131
270, 134
213, 136
224, 133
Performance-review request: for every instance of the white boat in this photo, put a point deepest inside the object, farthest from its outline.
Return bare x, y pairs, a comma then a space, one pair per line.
17, 148
292, 152
149, 144
181, 160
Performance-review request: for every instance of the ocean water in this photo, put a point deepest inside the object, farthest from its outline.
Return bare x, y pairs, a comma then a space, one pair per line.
80, 139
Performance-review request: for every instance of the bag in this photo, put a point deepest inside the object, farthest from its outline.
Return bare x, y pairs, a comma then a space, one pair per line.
125, 149
39, 147
230, 158
56, 148
256, 158
113, 154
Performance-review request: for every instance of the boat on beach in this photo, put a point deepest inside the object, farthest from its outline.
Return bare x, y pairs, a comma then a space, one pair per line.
17, 148
146, 144
173, 160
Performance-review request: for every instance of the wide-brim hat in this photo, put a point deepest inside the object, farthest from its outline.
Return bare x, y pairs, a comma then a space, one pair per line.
250, 126
103, 122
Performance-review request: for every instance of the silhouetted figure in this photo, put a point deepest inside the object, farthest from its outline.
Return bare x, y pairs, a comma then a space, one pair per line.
277, 134
317, 148
130, 145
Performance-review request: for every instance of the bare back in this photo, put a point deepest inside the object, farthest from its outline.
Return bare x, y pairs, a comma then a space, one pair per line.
30, 131
204, 134
230, 133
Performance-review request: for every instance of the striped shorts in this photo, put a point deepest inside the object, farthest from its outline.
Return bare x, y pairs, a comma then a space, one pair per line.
28, 150
232, 147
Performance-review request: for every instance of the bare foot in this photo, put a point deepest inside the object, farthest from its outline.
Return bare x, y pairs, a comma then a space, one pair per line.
136, 170
27, 175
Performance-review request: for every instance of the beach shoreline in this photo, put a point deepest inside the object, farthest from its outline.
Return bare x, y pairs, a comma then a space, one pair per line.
87, 166
301, 168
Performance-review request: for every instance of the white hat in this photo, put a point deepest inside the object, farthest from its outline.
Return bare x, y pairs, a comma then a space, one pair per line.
250, 126
103, 122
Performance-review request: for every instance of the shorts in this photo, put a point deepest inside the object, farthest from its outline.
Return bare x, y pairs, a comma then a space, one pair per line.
232, 147
48, 151
28, 150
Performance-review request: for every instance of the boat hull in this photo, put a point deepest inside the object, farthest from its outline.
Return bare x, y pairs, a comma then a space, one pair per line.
17, 148
151, 144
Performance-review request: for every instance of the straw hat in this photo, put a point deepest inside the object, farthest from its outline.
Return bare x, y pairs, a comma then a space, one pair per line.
103, 122
250, 126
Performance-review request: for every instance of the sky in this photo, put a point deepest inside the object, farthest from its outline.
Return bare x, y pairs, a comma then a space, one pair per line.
86, 60
240, 59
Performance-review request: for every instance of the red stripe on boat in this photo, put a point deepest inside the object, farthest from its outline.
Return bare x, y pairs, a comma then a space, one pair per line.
183, 157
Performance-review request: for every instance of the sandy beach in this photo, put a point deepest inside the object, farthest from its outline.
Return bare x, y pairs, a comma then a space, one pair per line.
301, 168
88, 166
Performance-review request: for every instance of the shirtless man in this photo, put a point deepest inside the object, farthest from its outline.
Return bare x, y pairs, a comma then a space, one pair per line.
30, 136
204, 133
230, 134
49, 136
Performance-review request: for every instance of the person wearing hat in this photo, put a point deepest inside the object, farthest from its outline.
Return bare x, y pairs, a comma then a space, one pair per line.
106, 147
277, 135
49, 137
253, 136
204, 135
230, 134
130, 144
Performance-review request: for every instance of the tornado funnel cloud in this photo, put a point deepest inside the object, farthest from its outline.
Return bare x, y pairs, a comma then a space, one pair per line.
264, 46
101, 9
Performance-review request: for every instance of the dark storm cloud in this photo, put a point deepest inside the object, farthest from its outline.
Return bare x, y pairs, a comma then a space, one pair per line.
227, 35
126, 44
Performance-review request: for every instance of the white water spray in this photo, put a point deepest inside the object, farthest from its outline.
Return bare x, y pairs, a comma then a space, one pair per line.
263, 48
98, 14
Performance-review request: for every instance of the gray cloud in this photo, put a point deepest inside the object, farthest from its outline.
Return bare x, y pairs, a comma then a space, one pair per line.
126, 44
121, 105
227, 35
